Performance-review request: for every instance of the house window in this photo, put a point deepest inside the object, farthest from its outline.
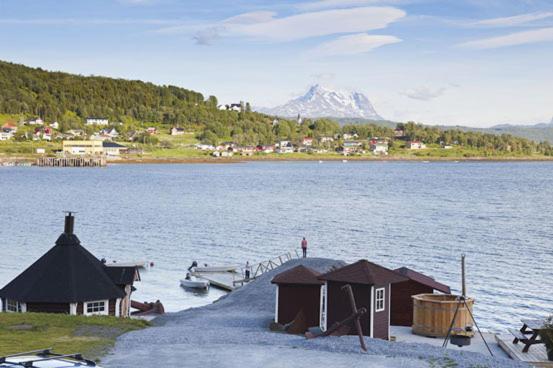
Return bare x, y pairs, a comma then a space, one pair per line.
13, 306
96, 307
380, 300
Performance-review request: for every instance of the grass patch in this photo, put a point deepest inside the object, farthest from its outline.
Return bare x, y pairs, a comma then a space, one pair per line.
91, 336
28, 148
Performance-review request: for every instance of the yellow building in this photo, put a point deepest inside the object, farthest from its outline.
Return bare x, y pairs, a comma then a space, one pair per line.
83, 147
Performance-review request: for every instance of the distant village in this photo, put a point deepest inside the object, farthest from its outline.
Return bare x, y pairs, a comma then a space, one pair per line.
108, 141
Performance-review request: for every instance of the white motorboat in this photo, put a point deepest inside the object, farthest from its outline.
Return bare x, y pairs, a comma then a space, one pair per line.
193, 282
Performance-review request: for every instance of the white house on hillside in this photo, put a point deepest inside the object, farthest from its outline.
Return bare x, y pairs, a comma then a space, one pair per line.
379, 147
97, 121
415, 145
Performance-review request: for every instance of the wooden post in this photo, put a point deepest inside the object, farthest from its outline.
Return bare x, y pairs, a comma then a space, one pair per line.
463, 284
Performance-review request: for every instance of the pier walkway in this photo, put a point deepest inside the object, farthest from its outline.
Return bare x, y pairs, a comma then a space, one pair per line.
229, 281
72, 161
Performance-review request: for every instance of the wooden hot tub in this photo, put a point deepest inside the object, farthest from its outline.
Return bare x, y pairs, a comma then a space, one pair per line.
432, 315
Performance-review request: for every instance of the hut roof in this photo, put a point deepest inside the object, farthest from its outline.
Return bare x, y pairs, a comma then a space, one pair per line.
122, 275
423, 279
67, 273
299, 275
364, 272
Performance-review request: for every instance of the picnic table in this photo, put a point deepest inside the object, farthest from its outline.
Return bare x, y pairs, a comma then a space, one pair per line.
529, 333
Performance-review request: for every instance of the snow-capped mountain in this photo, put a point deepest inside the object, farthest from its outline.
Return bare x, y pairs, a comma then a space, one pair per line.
324, 102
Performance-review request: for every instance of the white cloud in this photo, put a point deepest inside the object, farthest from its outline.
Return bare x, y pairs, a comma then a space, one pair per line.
265, 25
425, 93
331, 4
84, 22
322, 23
352, 44
513, 39
251, 17
208, 35
515, 20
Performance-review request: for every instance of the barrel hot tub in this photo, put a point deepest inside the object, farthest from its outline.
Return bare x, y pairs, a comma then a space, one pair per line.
432, 315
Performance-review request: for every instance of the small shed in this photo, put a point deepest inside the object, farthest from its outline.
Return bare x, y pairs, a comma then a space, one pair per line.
69, 279
371, 285
298, 289
403, 292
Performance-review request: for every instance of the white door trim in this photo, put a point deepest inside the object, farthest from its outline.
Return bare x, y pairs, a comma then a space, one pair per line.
372, 312
276, 305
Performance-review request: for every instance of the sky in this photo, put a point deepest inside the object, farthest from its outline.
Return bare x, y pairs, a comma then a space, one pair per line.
452, 62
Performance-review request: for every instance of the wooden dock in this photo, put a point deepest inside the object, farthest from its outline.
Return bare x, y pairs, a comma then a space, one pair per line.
230, 281
71, 161
139, 264
221, 280
536, 356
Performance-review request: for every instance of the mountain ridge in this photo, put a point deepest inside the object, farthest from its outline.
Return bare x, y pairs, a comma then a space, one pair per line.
323, 102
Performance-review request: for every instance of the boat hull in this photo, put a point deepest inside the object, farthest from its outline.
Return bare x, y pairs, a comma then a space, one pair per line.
216, 269
194, 284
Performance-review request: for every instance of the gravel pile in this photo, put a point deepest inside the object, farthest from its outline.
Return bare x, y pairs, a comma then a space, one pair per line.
233, 332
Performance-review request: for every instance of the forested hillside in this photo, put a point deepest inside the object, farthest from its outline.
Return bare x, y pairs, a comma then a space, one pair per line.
50, 95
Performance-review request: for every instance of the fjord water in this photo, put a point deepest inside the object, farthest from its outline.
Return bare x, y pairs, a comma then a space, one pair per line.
414, 214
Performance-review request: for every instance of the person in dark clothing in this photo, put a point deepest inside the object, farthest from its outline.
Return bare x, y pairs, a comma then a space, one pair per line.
304, 247
247, 271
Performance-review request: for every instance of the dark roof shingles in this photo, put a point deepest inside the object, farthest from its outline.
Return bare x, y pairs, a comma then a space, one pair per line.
67, 273
122, 275
423, 279
299, 275
363, 272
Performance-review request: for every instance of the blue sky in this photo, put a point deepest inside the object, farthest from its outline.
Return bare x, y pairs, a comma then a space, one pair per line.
471, 62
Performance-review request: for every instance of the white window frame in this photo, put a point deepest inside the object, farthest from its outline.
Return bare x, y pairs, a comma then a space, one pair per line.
103, 312
380, 301
13, 306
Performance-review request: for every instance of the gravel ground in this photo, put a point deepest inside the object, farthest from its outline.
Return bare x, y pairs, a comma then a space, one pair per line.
233, 333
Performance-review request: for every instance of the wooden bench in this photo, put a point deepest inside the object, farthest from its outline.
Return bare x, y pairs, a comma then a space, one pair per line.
528, 334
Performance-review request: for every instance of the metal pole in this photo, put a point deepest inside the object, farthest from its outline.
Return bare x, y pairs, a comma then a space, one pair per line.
478, 328
444, 345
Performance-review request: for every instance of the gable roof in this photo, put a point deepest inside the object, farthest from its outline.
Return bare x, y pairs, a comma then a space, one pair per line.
122, 275
67, 273
299, 275
423, 279
364, 272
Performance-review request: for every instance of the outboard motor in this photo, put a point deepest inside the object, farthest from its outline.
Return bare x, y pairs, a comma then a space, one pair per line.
194, 264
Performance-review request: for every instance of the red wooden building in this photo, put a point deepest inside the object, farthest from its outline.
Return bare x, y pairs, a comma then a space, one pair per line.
402, 293
298, 289
371, 286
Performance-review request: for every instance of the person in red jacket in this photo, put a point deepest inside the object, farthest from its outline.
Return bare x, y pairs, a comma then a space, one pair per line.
304, 247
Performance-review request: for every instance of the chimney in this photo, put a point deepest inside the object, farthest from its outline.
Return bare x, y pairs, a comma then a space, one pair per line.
69, 223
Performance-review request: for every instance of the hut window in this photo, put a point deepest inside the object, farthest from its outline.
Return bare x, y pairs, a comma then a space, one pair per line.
13, 306
98, 307
380, 300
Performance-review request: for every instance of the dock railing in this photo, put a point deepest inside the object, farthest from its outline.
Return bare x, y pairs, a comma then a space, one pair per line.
266, 266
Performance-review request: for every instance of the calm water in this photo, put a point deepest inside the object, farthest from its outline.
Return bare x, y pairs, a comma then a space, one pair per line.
420, 215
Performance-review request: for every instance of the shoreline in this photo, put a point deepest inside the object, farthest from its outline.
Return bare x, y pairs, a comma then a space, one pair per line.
170, 160
322, 159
